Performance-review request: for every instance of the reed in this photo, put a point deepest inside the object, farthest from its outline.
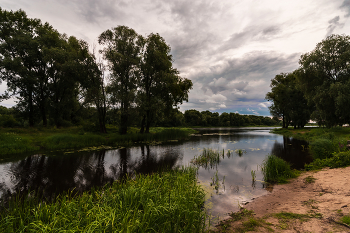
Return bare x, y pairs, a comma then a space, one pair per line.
253, 173
166, 202
208, 158
240, 152
276, 170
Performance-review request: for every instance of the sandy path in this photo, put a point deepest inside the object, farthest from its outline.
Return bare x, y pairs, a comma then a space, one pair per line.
327, 198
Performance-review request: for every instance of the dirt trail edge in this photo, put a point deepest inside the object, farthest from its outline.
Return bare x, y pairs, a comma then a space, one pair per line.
313, 202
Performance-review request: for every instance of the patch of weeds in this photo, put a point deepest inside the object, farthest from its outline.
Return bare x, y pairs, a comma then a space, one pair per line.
287, 215
339, 211
314, 214
309, 202
243, 213
345, 219
249, 223
309, 180
320, 194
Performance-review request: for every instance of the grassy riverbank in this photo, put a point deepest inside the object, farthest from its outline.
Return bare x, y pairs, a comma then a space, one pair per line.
166, 202
327, 146
22, 140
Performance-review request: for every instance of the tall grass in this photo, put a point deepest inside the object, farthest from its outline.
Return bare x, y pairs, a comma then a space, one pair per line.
71, 141
276, 170
12, 143
167, 202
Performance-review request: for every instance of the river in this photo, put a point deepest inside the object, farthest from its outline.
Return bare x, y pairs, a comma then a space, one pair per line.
57, 172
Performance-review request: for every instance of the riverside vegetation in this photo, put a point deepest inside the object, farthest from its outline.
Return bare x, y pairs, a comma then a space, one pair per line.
21, 140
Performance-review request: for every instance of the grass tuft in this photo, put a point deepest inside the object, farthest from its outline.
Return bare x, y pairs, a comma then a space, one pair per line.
276, 170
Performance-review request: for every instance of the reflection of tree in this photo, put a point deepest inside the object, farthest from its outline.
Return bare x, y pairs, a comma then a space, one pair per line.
50, 175
293, 151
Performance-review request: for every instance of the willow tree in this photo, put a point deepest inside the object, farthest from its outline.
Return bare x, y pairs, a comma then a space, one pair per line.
121, 49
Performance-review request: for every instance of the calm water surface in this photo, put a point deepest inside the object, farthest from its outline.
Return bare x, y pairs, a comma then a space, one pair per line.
81, 171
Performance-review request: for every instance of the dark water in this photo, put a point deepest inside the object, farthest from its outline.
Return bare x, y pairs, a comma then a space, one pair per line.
50, 175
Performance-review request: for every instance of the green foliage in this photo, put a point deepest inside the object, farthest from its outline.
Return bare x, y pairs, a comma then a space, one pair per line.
341, 159
276, 170
324, 79
167, 202
322, 148
288, 100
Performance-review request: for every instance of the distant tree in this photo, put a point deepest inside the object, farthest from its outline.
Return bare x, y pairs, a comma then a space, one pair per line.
122, 46
225, 119
193, 117
324, 76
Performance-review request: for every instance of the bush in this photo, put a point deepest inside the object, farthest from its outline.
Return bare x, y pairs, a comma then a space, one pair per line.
8, 121
322, 148
276, 170
341, 159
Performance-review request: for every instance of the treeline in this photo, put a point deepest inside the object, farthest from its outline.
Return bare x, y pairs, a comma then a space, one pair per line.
318, 90
58, 81
12, 117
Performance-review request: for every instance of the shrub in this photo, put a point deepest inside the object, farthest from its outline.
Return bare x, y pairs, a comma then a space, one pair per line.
322, 148
341, 159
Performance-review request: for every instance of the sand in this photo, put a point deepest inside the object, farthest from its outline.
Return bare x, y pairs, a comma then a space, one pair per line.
324, 195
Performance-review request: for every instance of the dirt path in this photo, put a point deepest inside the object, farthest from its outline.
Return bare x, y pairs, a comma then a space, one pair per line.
317, 200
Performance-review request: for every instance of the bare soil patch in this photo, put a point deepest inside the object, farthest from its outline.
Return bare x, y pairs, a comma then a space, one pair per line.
313, 202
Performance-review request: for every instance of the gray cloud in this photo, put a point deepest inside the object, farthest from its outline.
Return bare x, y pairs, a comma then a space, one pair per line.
333, 24
346, 7
251, 33
97, 11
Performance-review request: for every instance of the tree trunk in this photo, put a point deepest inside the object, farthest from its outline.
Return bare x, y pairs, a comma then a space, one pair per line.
142, 129
31, 118
148, 121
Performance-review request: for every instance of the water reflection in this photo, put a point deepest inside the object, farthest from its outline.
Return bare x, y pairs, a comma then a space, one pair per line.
50, 175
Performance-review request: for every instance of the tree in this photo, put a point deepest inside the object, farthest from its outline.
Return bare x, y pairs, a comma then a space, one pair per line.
18, 52
324, 76
160, 86
193, 117
122, 46
288, 100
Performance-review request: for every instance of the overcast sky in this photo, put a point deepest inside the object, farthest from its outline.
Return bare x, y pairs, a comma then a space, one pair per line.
230, 49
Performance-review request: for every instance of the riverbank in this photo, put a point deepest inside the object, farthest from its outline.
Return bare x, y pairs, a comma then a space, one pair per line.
23, 140
313, 202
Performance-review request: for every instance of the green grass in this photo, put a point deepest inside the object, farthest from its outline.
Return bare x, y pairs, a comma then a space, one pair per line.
22, 140
345, 219
166, 202
276, 170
